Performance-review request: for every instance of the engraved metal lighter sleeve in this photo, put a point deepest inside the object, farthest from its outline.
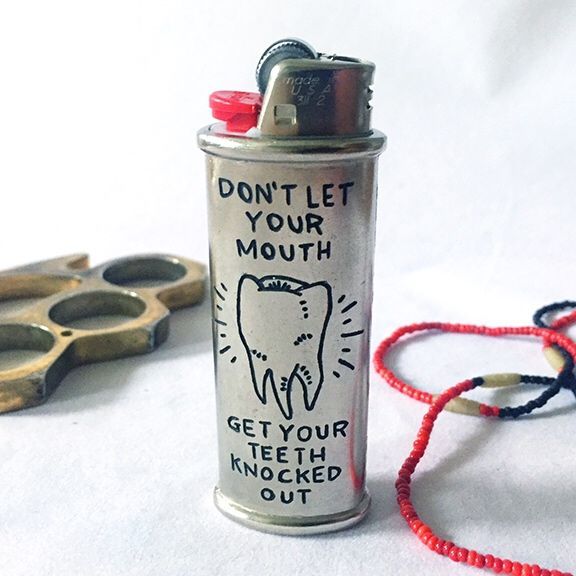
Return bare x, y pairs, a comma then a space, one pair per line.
292, 199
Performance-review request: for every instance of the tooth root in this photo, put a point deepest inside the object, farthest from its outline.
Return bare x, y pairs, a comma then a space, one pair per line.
311, 379
283, 394
261, 384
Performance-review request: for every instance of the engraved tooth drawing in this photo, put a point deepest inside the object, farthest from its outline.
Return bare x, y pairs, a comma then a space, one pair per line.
282, 323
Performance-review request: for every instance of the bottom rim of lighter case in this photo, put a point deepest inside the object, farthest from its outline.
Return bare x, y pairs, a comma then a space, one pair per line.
291, 526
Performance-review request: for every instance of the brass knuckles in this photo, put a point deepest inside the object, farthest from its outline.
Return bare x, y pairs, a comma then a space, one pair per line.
69, 291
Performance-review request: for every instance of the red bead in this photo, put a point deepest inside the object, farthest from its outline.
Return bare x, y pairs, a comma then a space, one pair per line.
447, 547
425, 537
454, 554
463, 554
415, 524
423, 530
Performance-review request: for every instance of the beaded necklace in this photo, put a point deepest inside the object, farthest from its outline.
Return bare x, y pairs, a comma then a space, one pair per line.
560, 351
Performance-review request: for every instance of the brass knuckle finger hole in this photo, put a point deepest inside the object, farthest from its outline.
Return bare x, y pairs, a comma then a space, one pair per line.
21, 344
97, 310
144, 272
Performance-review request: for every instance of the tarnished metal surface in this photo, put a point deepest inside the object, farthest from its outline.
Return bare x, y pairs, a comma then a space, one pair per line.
329, 96
142, 290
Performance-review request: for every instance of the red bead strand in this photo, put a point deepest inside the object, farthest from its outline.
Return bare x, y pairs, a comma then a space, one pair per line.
424, 533
438, 403
548, 336
564, 321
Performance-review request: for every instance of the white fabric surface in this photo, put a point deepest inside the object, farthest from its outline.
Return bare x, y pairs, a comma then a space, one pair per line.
99, 105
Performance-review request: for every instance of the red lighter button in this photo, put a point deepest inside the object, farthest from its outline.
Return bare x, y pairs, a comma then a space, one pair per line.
240, 110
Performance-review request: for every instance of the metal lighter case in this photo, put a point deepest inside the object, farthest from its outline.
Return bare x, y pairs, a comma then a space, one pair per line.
292, 206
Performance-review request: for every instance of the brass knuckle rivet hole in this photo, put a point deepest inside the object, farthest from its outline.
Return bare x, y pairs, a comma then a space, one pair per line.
21, 344
96, 310
144, 272
66, 333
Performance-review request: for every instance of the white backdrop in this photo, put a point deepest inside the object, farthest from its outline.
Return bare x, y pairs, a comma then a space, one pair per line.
99, 106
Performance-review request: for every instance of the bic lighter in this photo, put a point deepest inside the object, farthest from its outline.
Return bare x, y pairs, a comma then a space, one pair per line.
292, 202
